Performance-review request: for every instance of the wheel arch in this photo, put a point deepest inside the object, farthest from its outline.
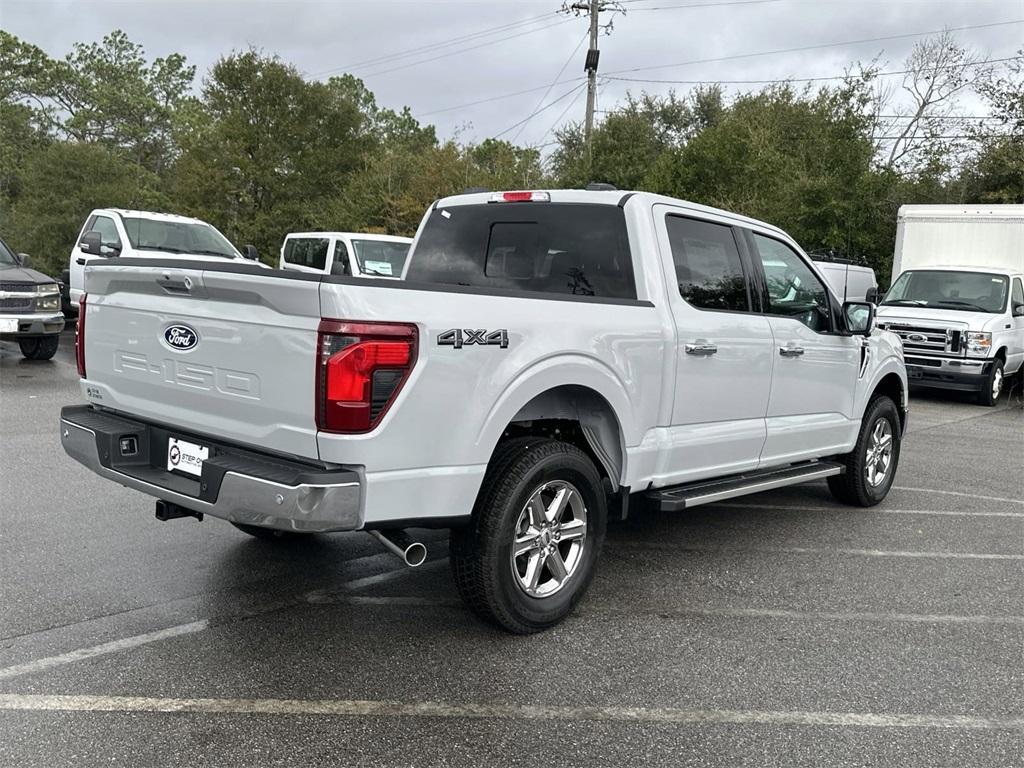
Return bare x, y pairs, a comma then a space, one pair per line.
563, 392
892, 386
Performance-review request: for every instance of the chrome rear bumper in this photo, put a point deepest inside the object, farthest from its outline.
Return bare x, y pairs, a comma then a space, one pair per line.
238, 485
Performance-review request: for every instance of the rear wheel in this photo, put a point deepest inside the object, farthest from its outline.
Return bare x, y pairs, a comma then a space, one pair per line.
871, 465
269, 534
538, 525
39, 347
992, 389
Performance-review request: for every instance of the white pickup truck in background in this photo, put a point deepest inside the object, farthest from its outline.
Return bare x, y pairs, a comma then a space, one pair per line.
118, 233
345, 253
957, 296
548, 358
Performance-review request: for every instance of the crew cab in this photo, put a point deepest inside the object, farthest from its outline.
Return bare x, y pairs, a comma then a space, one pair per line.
957, 296
345, 253
114, 232
549, 359
29, 306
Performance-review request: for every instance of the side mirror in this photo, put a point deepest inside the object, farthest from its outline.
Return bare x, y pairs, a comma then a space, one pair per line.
249, 252
25, 259
91, 242
872, 295
858, 318
1018, 310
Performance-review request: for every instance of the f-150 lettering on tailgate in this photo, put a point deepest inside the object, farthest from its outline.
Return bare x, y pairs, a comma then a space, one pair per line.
192, 375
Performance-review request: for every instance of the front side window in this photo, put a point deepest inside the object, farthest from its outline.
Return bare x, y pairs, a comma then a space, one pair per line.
307, 251
793, 289
7, 257
1018, 293
177, 237
950, 289
708, 266
107, 229
380, 258
339, 262
578, 249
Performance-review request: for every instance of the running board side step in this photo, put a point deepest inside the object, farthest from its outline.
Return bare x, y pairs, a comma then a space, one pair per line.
708, 491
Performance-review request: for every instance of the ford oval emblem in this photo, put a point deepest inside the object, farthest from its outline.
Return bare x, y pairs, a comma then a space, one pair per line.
916, 337
181, 337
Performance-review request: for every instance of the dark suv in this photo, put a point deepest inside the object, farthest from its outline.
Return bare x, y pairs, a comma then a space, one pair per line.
29, 307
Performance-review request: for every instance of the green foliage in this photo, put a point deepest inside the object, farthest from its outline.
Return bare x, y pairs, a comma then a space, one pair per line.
259, 151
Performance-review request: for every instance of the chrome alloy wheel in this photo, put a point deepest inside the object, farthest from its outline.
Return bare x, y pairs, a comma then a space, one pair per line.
997, 382
879, 454
549, 538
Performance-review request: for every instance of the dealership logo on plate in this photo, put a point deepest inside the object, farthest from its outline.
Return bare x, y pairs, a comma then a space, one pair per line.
181, 337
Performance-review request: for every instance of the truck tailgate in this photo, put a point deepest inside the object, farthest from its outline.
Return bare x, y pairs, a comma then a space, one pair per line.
247, 375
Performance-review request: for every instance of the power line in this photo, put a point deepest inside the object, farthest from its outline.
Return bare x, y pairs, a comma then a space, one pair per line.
799, 79
436, 46
541, 109
560, 72
558, 119
489, 99
467, 50
703, 5
815, 47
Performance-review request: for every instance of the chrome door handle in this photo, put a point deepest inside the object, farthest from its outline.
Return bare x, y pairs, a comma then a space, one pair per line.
792, 351
701, 348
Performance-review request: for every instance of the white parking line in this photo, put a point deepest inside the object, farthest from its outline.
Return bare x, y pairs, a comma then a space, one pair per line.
778, 613
884, 511
959, 493
102, 650
435, 709
690, 547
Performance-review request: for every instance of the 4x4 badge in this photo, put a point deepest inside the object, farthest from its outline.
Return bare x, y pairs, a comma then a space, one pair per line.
464, 337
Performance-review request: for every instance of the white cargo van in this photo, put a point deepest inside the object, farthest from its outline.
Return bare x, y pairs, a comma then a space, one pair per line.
851, 281
345, 253
957, 296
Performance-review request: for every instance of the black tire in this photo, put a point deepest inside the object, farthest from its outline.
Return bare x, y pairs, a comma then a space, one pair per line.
39, 347
853, 487
481, 552
994, 385
270, 534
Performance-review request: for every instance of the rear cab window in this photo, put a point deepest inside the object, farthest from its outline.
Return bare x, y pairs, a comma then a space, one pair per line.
571, 249
308, 252
709, 270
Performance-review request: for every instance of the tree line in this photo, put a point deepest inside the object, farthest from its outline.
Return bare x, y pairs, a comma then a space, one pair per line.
258, 150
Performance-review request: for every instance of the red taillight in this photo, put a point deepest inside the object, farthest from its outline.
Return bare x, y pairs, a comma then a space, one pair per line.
80, 337
360, 370
520, 197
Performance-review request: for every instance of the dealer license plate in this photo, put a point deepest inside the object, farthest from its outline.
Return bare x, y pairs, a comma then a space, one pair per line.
8, 325
186, 457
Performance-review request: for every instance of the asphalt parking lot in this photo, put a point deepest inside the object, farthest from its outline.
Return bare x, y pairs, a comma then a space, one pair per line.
780, 630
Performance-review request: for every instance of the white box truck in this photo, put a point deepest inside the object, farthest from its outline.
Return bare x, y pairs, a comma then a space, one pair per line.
957, 296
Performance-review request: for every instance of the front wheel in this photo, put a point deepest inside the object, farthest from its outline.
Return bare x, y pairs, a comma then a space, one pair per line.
871, 465
538, 525
992, 389
39, 347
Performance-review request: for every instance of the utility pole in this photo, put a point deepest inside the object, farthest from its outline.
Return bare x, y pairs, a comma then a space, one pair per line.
593, 8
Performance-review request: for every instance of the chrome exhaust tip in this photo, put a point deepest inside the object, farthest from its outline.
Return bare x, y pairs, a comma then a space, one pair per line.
411, 552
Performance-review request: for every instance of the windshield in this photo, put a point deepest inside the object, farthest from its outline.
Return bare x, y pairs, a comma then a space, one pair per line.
380, 257
177, 237
969, 291
7, 258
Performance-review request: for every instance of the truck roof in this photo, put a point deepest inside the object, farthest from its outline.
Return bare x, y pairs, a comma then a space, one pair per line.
149, 215
609, 197
360, 235
933, 212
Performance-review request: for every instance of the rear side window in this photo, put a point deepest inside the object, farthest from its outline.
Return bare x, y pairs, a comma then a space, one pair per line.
708, 266
560, 248
307, 251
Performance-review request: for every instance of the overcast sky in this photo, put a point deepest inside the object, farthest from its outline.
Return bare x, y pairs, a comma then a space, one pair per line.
522, 44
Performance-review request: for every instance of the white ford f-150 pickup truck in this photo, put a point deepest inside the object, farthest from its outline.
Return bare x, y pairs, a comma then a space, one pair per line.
549, 357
